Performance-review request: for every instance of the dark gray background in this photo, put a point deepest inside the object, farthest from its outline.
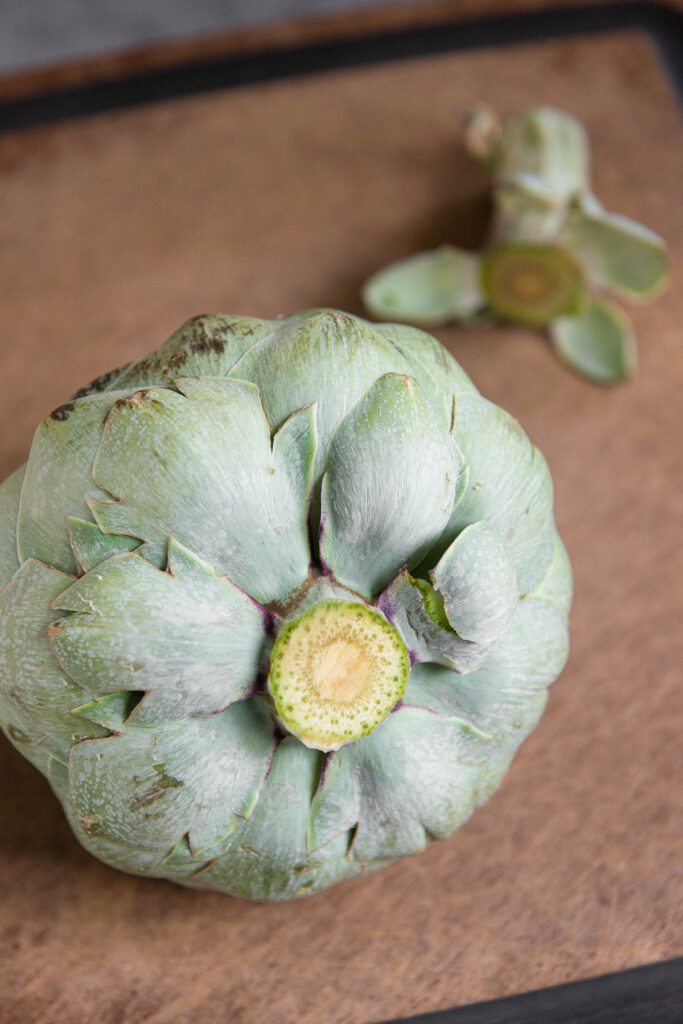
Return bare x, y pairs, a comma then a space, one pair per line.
34, 32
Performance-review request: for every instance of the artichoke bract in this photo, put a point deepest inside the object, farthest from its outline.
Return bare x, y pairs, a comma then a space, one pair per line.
279, 602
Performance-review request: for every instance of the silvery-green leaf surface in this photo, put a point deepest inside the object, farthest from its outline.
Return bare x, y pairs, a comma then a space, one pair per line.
59, 479
432, 366
416, 611
36, 696
91, 546
509, 486
618, 253
148, 788
505, 710
267, 856
111, 710
469, 604
389, 785
506, 695
599, 345
57, 774
199, 465
10, 491
325, 357
556, 584
134, 860
205, 346
531, 654
534, 650
325, 588
430, 288
478, 584
191, 639
388, 444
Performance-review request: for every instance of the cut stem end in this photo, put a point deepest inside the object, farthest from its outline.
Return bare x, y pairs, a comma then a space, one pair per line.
533, 284
336, 672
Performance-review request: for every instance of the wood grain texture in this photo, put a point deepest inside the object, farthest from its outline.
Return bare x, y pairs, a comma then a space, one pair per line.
285, 196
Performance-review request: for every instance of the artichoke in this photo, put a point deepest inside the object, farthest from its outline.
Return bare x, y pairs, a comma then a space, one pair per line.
278, 602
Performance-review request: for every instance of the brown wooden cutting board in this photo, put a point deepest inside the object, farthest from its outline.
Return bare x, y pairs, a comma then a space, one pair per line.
286, 195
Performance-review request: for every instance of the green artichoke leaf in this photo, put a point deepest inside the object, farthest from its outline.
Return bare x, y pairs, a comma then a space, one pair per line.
198, 465
122, 856
432, 366
531, 654
10, 491
509, 486
534, 650
36, 697
618, 253
556, 585
190, 638
530, 539
111, 711
407, 783
506, 696
59, 480
505, 710
322, 589
320, 356
389, 444
147, 788
57, 774
599, 345
204, 346
267, 856
417, 611
128, 858
478, 584
429, 289
91, 546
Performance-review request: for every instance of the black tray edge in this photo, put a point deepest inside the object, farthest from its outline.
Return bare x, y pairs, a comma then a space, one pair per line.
642, 995
662, 23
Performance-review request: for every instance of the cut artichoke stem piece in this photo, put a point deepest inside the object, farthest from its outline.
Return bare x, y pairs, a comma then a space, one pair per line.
336, 672
524, 211
533, 284
546, 144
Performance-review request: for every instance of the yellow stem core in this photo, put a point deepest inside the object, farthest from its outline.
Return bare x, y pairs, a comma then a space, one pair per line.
530, 284
341, 672
336, 672
533, 283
